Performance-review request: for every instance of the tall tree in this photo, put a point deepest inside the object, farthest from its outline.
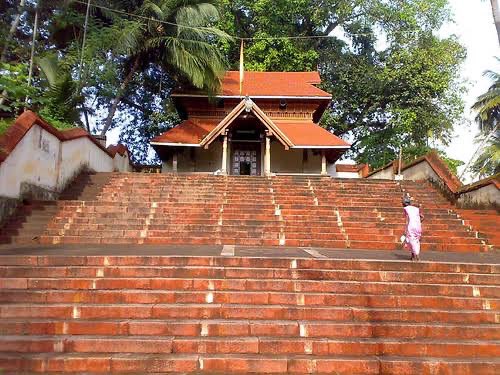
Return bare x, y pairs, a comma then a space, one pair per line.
394, 81
181, 50
12, 30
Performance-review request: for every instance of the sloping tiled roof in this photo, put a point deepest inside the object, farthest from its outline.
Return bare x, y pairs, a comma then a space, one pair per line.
188, 132
21, 126
300, 133
435, 162
492, 180
440, 168
277, 84
352, 168
307, 133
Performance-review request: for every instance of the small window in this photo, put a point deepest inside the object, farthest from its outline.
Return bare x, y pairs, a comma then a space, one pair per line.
282, 104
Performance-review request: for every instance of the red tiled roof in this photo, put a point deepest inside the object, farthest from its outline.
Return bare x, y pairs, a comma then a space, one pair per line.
440, 168
352, 168
435, 162
277, 84
21, 126
492, 180
307, 133
273, 84
191, 131
300, 133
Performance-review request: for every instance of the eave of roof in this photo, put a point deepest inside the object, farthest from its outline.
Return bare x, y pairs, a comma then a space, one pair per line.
188, 133
307, 134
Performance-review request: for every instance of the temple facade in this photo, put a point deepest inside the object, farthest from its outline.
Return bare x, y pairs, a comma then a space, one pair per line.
268, 125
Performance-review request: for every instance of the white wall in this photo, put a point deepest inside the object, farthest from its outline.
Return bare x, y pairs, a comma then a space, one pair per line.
292, 161
34, 160
420, 171
41, 159
79, 153
384, 174
197, 159
122, 163
332, 171
484, 196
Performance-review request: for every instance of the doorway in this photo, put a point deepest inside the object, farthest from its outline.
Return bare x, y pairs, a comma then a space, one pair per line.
245, 160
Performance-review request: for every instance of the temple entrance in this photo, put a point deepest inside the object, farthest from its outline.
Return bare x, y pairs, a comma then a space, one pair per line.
245, 160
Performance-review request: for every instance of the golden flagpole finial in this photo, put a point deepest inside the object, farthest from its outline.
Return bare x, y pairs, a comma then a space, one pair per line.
241, 68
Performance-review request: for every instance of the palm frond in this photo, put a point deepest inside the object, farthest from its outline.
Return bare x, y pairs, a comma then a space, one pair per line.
49, 67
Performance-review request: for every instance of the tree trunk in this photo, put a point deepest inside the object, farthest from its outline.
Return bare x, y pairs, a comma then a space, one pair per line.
495, 8
118, 97
86, 116
13, 28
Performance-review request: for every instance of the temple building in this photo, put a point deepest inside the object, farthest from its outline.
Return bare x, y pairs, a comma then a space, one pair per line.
267, 124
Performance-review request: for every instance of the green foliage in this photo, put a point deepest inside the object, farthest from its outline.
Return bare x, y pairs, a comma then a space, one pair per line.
51, 98
5, 123
487, 105
60, 99
14, 81
488, 162
453, 164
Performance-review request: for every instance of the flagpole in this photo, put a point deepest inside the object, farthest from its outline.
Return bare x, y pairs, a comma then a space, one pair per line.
241, 68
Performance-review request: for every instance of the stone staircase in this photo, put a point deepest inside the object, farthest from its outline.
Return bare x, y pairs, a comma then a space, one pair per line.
485, 222
30, 221
158, 314
134, 208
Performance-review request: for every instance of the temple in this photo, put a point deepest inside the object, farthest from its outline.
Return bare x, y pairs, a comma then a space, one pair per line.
266, 125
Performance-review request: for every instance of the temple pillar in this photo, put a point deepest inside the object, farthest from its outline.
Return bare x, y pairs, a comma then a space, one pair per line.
224, 155
267, 157
323, 164
174, 163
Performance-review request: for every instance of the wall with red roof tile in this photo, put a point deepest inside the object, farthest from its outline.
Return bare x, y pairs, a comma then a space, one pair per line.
34, 153
483, 193
431, 167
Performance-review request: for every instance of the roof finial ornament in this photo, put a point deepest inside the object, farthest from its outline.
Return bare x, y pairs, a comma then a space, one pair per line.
248, 104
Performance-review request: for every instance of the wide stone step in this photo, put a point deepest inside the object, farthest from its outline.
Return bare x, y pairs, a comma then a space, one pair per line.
247, 273
240, 297
249, 312
248, 345
350, 285
241, 363
261, 328
245, 262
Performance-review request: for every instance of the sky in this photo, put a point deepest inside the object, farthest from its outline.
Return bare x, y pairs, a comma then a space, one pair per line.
475, 29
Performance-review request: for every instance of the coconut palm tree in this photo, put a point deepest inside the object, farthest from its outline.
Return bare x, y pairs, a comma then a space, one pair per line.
487, 107
60, 97
174, 34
